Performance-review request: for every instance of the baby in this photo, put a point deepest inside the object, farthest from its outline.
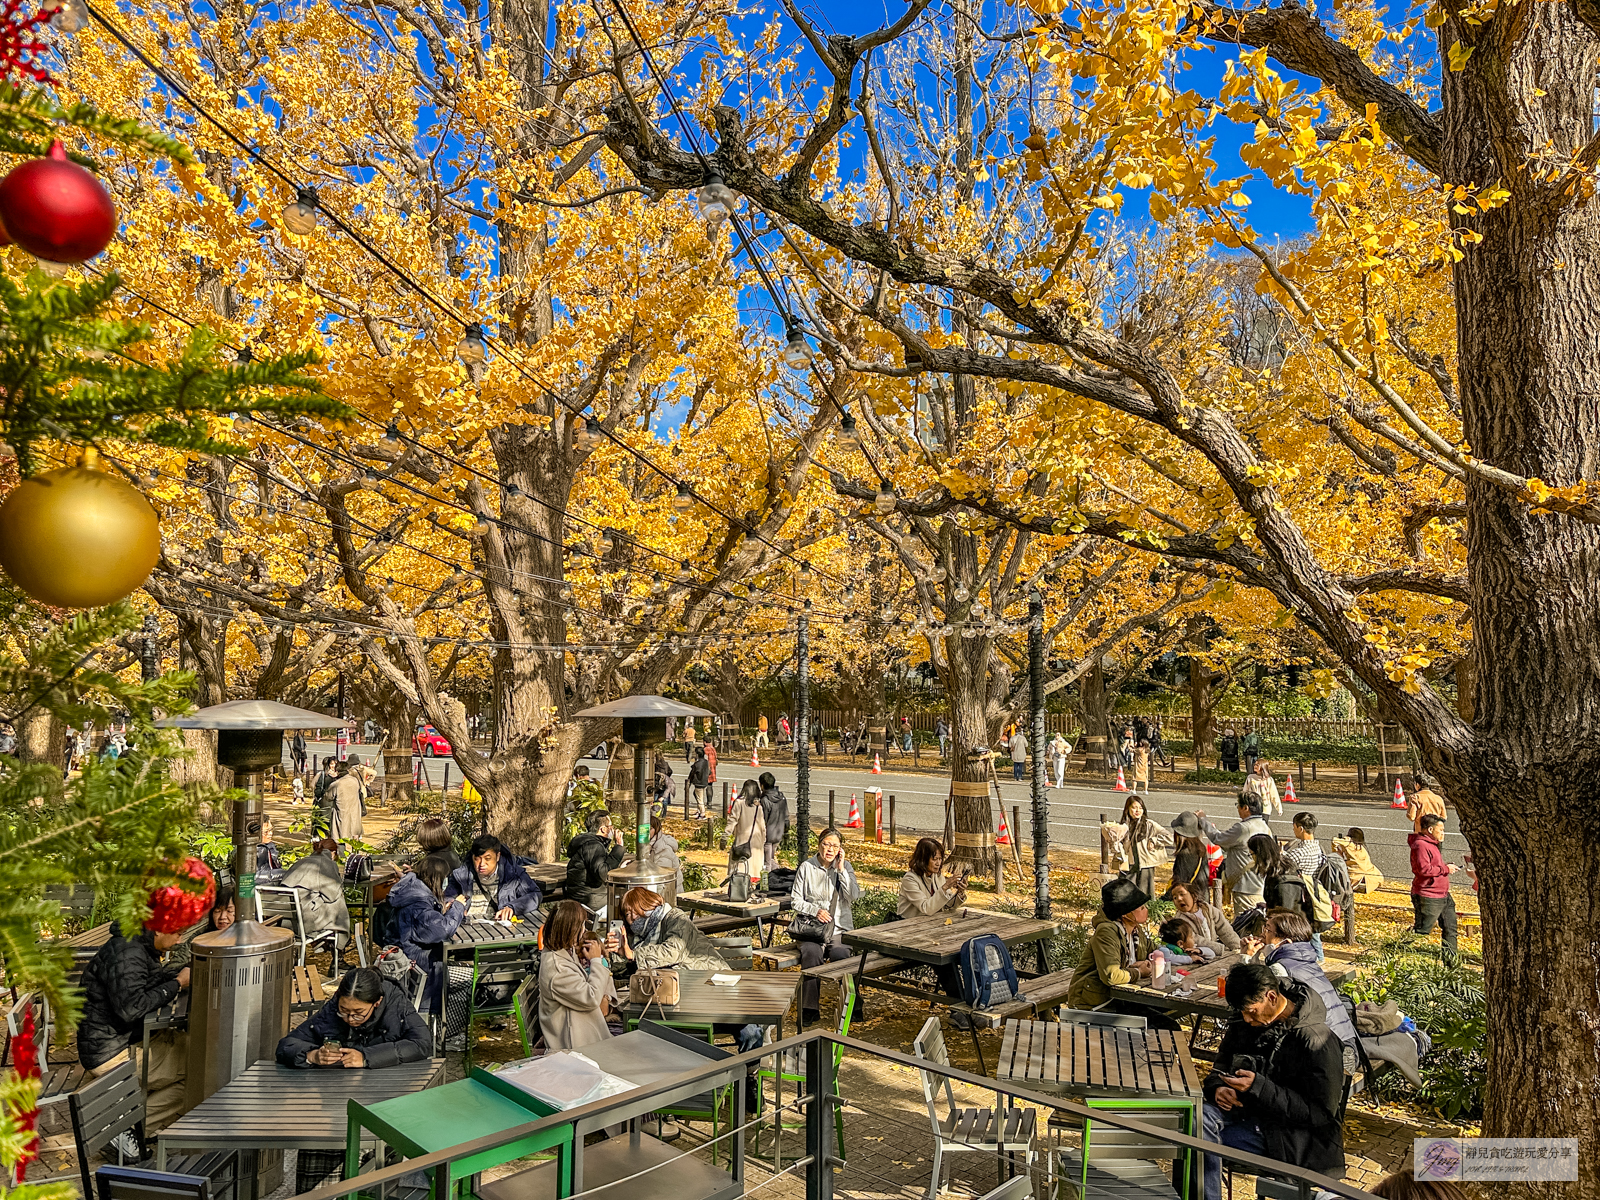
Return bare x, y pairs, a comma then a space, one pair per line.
1177, 943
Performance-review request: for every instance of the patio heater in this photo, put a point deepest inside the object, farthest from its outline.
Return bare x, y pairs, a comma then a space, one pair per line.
644, 725
249, 740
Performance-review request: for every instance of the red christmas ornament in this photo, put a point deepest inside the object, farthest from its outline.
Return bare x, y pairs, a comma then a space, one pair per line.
56, 210
173, 909
27, 1067
17, 40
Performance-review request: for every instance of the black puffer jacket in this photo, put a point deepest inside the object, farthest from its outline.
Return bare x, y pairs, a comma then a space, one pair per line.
391, 1036
774, 813
1295, 1098
590, 861
123, 983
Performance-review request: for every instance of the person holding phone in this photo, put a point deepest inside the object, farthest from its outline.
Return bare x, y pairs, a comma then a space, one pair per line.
824, 887
926, 892
1278, 1079
576, 992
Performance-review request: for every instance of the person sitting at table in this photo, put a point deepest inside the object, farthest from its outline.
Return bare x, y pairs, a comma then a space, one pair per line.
492, 885
661, 855
321, 885
1117, 953
1278, 1079
925, 892
591, 857
655, 934
1287, 949
433, 837
824, 887
1178, 944
125, 982
1211, 929
576, 991
369, 1023
424, 918
223, 914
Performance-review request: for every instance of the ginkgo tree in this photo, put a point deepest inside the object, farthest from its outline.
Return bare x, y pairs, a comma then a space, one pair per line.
1445, 367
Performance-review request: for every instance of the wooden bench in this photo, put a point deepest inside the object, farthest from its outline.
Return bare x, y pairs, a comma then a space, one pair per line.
305, 990
776, 958
712, 923
877, 964
1039, 995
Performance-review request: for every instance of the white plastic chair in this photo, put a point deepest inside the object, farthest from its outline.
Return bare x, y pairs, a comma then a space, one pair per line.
1009, 1130
284, 902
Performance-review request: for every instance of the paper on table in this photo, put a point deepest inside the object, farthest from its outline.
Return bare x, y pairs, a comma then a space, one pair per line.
565, 1079
722, 980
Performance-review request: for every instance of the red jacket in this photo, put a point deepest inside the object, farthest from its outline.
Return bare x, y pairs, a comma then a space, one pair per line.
1429, 875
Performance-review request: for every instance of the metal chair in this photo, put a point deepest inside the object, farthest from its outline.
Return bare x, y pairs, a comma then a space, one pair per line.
497, 965
1113, 1158
43, 1028
796, 1075
525, 1007
705, 1106
284, 903
1011, 1189
112, 1105
1011, 1131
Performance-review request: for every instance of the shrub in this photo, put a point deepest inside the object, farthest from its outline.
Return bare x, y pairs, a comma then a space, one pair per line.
875, 906
1063, 948
1446, 1001
697, 877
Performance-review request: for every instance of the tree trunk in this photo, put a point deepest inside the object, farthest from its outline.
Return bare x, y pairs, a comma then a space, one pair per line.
1202, 709
399, 717
41, 737
1092, 698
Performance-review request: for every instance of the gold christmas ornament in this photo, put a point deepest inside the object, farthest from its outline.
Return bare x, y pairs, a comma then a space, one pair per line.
76, 537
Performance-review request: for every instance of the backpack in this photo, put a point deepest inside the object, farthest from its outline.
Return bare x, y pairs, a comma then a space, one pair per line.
385, 924
393, 965
1323, 910
1334, 874
987, 974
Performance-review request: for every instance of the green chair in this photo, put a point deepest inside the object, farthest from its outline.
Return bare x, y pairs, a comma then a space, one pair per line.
695, 1107
498, 965
1123, 1158
779, 1076
525, 1007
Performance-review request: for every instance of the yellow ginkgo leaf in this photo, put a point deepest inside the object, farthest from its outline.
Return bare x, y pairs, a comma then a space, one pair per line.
1459, 55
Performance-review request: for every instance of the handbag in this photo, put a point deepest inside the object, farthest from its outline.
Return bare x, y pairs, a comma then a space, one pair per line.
653, 985
808, 927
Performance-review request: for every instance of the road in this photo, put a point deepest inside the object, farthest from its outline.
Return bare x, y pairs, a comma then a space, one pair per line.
1074, 810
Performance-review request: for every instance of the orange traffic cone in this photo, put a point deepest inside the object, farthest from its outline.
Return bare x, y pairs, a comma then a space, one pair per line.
1399, 800
877, 765
1288, 790
755, 763
1122, 783
1003, 838
855, 813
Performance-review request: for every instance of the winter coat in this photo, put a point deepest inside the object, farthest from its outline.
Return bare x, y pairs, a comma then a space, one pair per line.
268, 858
1266, 787
1228, 748
123, 983
571, 1015
674, 941
321, 894
774, 814
700, 772
746, 828
1294, 1100
1019, 747
344, 798
590, 861
816, 888
1106, 961
1141, 765
1151, 849
661, 855
392, 1035
1422, 802
1239, 866
924, 895
1251, 743
513, 888
1298, 960
422, 924
1212, 929
1284, 890
1362, 870
1429, 874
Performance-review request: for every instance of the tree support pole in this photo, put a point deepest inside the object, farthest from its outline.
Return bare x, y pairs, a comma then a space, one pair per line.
1041, 804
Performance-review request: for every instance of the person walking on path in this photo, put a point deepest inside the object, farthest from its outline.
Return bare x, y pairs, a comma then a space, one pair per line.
1141, 767
1059, 749
1250, 746
699, 783
747, 832
1019, 755
297, 751
1431, 901
761, 732
1157, 750
1228, 750
941, 730
1422, 801
1261, 783
774, 819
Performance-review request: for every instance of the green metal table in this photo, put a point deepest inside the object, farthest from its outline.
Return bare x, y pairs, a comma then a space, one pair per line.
459, 1112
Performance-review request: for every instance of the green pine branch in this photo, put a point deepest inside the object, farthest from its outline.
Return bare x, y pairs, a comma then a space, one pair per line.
30, 120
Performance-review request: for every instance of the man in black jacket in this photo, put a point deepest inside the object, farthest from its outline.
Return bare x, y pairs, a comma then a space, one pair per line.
700, 783
591, 857
774, 818
124, 983
1278, 1079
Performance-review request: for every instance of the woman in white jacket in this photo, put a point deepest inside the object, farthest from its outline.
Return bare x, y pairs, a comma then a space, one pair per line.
824, 887
1261, 783
575, 986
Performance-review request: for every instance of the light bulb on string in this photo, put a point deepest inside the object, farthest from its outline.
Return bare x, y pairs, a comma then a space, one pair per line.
479, 528
71, 17
472, 349
716, 200
847, 438
588, 435
684, 500
937, 575
884, 500
300, 214
797, 353
607, 541
389, 443
962, 594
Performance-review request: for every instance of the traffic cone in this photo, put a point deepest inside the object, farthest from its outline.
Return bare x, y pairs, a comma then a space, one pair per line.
855, 813
1003, 838
755, 764
877, 765
1399, 800
1288, 790
1122, 783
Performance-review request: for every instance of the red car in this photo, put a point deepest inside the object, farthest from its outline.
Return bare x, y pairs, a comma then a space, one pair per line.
428, 743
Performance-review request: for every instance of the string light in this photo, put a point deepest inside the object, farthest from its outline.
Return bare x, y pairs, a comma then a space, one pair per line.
684, 500
72, 16
962, 594
884, 500
472, 349
798, 352
716, 201
300, 214
589, 434
847, 438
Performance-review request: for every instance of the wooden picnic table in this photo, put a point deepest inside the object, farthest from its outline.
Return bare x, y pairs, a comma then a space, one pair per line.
1096, 1060
272, 1107
755, 910
1194, 994
937, 940
757, 999
551, 878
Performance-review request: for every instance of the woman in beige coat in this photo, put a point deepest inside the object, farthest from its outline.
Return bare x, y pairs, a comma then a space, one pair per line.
747, 831
575, 986
1138, 844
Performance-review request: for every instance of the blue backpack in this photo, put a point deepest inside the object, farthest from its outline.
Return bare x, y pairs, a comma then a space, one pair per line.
987, 975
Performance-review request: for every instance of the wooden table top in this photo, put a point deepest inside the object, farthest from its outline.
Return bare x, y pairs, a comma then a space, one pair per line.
716, 900
1193, 993
759, 998
938, 939
281, 1108
1097, 1060
547, 875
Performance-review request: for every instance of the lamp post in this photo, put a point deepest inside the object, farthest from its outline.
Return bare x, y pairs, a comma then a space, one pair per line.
644, 725
249, 740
